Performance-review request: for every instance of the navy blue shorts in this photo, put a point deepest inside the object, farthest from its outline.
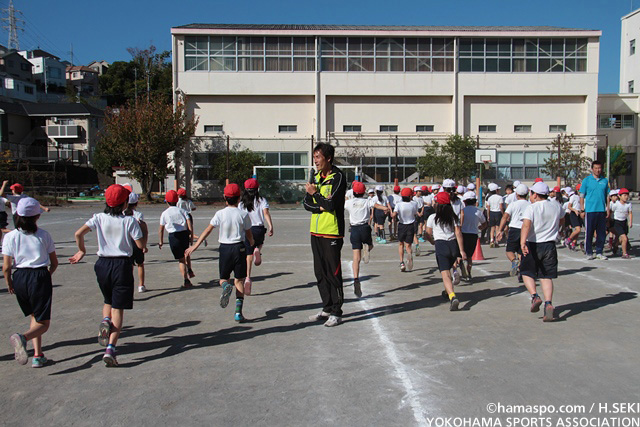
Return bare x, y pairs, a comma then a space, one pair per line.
447, 252
406, 232
4, 220
233, 258
258, 232
34, 291
360, 235
138, 256
495, 218
179, 242
620, 227
541, 262
469, 242
575, 220
427, 211
513, 240
115, 278
379, 216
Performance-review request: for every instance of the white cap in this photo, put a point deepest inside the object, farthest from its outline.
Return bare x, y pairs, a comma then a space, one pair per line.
516, 183
449, 183
435, 188
460, 189
133, 198
493, 186
371, 190
417, 188
471, 186
28, 206
566, 189
469, 195
613, 192
379, 188
540, 188
570, 192
522, 190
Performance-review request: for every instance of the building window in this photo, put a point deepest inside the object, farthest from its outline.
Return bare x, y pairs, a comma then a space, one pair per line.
352, 128
487, 128
557, 128
383, 169
28, 89
388, 128
616, 121
213, 128
285, 159
632, 47
630, 85
424, 128
287, 128
513, 165
522, 129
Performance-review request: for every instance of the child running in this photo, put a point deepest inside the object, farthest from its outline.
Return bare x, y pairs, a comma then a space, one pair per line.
513, 215
496, 210
380, 215
417, 225
405, 213
137, 259
473, 221
17, 191
443, 231
258, 209
622, 222
393, 200
34, 253
235, 227
575, 218
541, 222
180, 228
116, 234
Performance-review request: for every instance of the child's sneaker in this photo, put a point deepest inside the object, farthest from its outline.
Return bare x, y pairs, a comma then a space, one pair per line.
191, 273
417, 250
257, 257
409, 262
456, 277
548, 313
382, 241
39, 361
226, 293
333, 321
514, 268
19, 344
104, 330
187, 284
601, 257
142, 289
109, 357
357, 289
365, 253
453, 305
247, 286
626, 256
321, 315
238, 317
465, 273
421, 239
403, 267
536, 301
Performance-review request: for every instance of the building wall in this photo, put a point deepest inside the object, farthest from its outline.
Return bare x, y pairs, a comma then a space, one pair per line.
630, 63
55, 71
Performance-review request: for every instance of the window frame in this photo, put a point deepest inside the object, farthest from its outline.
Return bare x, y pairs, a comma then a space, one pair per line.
522, 128
558, 128
389, 128
214, 128
427, 128
351, 128
287, 128
487, 129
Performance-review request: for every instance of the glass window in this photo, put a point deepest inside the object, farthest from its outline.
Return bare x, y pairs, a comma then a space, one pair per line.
557, 128
531, 158
630, 86
627, 121
504, 172
632, 47
200, 159
272, 159
517, 158
504, 158
388, 128
543, 157
531, 172
522, 128
487, 128
287, 128
286, 159
213, 128
352, 128
517, 172
424, 128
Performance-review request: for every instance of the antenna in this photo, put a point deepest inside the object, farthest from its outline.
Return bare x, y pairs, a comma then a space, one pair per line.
13, 26
71, 53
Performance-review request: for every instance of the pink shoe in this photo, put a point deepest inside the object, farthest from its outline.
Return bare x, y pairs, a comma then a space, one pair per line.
257, 259
247, 286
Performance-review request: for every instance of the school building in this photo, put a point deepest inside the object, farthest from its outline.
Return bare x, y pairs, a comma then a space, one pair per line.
275, 89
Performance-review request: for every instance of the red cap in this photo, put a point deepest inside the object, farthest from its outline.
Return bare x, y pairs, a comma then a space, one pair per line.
430, 189
443, 198
538, 180
623, 191
396, 189
182, 192
171, 196
358, 187
406, 192
115, 195
251, 183
128, 187
556, 189
232, 190
424, 188
18, 187
578, 187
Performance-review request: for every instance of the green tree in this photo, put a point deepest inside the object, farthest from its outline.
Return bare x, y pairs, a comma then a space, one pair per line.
454, 159
617, 164
432, 163
241, 163
139, 136
566, 159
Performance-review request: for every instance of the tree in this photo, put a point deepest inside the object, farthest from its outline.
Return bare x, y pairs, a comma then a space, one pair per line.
241, 163
139, 136
454, 159
566, 159
617, 164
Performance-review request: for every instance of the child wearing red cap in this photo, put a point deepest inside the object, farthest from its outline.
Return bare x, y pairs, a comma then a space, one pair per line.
17, 194
622, 222
258, 209
116, 235
34, 253
138, 254
235, 226
180, 228
188, 206
405, 213
393, 223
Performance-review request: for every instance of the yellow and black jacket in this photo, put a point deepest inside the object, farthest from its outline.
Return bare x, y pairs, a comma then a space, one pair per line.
330, 197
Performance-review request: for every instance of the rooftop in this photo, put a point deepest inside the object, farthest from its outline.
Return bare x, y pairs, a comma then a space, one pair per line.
321, 27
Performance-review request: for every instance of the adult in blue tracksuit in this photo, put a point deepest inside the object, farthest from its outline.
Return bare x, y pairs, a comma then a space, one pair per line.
594, 200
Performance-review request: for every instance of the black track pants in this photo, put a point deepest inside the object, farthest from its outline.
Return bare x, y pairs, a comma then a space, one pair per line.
328, 270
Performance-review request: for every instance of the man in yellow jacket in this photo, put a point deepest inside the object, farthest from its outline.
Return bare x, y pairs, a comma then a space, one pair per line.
325, 200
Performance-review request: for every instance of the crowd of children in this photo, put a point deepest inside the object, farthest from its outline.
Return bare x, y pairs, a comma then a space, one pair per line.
533, 220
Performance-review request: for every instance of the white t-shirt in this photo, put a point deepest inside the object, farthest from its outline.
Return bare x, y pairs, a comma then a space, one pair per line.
349, 194
359, 209
14, 201
473, 218
419, 201
515, 211
621, 211
457, 207
138, 216
574, 202
394, 199
28, 250
565, 206
407, 212
233, 223
545, 217
494, 202
257, 214
186, 204
440, 232
3, 203
428, 199
115, 234
510, 198
174, 219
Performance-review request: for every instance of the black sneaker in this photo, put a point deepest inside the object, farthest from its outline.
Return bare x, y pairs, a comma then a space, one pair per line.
454, 304
357, 289
548, 313
445, 295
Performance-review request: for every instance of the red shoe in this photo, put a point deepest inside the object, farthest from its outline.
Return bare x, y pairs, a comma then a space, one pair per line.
536, 302
257, 259
247, 286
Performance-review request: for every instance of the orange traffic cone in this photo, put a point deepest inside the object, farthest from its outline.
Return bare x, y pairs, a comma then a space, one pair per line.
477, 254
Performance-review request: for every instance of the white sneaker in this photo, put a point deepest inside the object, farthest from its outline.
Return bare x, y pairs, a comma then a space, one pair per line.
456, 277
142, 289
321, 315
601, 257
365, 253
409, 262
333, 321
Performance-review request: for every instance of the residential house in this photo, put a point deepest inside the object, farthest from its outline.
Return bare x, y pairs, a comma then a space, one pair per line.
84, 79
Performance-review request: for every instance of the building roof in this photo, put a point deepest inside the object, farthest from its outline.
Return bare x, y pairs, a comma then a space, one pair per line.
81, 68
63, 109
12, 108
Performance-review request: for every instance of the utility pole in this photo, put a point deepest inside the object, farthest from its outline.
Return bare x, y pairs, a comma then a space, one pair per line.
71, 53
13, 26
